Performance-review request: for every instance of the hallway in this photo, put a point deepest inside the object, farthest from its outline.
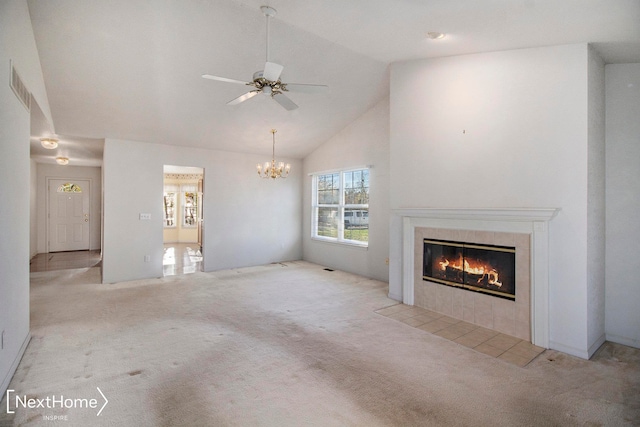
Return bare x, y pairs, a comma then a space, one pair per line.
177, 259
64, 260
181, 258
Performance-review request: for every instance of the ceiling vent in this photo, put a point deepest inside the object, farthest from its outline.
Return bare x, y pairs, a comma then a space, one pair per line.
20, 89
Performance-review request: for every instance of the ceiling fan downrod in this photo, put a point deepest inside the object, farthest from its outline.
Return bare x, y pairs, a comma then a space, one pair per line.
268, 12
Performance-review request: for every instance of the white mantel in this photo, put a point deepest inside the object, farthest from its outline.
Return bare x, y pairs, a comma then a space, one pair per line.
532, 221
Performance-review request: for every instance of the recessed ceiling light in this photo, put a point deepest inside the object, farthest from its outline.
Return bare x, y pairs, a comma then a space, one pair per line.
49, 143
62, 161
433, 35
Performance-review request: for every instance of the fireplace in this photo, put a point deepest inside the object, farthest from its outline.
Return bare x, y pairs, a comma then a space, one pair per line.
526, 229
488, 269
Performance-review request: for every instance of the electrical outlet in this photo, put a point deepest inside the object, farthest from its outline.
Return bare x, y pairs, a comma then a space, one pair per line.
145, 216
386, 261
147, 258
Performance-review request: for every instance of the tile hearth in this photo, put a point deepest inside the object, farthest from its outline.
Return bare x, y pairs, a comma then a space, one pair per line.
492, 343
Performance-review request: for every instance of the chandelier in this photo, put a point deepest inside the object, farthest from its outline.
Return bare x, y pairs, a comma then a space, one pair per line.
269, 169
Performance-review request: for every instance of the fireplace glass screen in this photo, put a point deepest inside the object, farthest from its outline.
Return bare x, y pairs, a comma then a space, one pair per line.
481, 268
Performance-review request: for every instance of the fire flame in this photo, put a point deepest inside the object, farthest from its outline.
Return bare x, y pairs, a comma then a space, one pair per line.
481, 270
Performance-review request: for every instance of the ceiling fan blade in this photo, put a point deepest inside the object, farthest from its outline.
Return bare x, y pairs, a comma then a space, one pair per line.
223, 79
272, 71
243, 98
285, 102
306, 88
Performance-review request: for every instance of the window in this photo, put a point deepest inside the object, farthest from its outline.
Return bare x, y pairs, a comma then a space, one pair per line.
170, 205
190, 204
341, 207
169, 209
69, 188
182, 205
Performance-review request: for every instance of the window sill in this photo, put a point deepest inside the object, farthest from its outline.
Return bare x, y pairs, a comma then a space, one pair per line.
362, 246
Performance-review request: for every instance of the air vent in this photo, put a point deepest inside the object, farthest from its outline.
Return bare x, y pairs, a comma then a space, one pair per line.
20, 89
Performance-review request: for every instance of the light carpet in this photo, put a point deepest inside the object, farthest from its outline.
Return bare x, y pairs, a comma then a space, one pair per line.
286, 344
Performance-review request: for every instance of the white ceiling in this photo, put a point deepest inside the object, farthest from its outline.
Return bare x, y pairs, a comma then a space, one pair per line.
131, 69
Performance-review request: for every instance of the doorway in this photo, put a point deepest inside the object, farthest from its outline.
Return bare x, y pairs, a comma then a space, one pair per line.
69, 214
183, 209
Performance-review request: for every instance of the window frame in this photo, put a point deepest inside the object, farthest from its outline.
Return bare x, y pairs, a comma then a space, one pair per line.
190, 211
173, 195
341, 207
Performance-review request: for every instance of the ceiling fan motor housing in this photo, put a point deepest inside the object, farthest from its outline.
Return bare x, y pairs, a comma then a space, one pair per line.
268, 87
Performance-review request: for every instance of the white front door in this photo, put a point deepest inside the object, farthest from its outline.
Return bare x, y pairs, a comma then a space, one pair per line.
69, 214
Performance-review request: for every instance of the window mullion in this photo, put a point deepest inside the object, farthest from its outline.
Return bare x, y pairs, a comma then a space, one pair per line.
341, 208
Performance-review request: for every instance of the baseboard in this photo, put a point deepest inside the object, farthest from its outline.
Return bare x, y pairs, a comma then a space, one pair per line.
581, 353
14, 366
395, 297
630, 342
596, 345
569, 350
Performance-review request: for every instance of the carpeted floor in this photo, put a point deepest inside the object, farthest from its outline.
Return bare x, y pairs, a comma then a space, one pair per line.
286, 345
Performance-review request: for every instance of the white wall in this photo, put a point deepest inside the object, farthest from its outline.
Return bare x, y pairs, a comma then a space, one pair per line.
33, 208
502, 129
363, 142
46, 171
623, 203
18, 45
596, 204
247, 220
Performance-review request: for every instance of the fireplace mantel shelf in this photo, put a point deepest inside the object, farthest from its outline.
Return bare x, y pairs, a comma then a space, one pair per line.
490, 214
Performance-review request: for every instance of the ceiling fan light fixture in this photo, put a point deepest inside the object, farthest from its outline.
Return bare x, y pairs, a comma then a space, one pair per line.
49, 143
268, 11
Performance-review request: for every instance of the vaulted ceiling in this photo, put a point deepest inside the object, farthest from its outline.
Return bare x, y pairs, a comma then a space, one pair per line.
131, 69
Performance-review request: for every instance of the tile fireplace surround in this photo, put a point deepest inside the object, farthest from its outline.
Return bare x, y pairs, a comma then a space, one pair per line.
526, 229
509, 317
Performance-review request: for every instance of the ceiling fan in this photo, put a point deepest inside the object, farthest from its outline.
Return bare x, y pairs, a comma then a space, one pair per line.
267, 81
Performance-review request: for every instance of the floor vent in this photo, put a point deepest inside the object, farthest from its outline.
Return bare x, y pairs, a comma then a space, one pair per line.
20, 89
